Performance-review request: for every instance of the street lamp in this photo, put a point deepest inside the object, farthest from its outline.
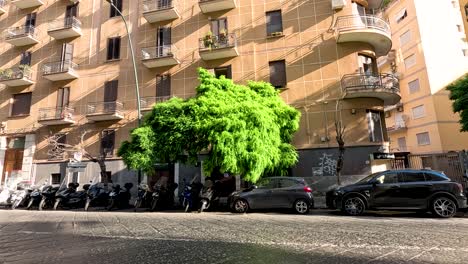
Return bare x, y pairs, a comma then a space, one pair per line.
137, 89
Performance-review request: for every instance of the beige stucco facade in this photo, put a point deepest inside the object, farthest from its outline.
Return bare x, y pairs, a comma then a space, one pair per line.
437, 42
316, 60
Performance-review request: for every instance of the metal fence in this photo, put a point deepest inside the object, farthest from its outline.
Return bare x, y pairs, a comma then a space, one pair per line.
352, 82
354, 22
453, 164
218, 41
155, 5
21, 31
149, 53
63, 23
58, 67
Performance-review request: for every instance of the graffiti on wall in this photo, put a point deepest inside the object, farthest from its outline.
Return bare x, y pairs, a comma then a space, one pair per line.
326, 166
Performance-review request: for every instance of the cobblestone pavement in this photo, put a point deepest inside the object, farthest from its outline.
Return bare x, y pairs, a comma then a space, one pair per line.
321, 237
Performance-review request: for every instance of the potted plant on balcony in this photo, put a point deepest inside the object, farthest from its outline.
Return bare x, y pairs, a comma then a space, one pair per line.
208, 40
223, 36
6, 73
25, 69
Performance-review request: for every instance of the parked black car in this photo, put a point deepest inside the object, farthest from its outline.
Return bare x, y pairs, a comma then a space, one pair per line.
419, 190
274, 193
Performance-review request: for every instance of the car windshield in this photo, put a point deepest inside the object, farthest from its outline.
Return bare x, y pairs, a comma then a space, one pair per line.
368, 178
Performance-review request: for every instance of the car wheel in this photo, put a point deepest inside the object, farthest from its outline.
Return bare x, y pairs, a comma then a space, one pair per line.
354, 206
301, 206
240, 206
443, 207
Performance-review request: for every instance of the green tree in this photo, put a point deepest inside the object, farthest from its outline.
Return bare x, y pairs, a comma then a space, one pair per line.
459, 95
243, 129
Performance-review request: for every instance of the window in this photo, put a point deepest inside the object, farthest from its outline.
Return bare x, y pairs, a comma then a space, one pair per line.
401, 15
431, 176
389, 178
223, 71
423, 139
418, 111
274, 23
107, 142
113, 48
268, 183
57, 152
163, 85
410, 61
374, 121
118, 4
278, 73
21, 104
413, 86
413, 177
405, 38
286, 183
31, 20
402, 144
25, 58
367, 64
163, 41
55, 178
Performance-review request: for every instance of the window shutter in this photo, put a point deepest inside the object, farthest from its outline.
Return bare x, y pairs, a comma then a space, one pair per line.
116, 48
278, 74
110, 91
163, 85
25, 58
21, 104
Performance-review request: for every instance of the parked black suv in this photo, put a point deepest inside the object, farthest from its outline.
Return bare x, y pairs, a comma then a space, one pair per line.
424, 190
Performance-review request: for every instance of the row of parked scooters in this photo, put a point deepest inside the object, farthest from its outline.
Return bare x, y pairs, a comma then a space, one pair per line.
195, 196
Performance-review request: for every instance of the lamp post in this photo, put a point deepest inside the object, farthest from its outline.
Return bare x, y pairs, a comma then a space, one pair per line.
137, 89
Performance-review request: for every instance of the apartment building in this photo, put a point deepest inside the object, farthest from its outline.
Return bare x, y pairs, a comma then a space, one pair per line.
66, 68
429, 51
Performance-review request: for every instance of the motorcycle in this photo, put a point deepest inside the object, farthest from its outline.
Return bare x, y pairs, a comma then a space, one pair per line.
190, 196
163, 196
97, 195
48, 196
70, 197
20, 197
120, 198
206, 198
5, 197
144, 196
35, 197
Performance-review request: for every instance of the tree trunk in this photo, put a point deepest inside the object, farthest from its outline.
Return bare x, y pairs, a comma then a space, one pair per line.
339, 163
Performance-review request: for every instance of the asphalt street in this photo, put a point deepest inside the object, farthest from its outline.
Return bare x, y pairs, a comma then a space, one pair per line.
170, 237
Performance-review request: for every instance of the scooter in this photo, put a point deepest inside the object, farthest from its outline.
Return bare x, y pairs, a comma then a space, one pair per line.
48, 197
20, 197
97, 195
163, 196
35, 197
144, 197
190, 196
5, 197
70, 197
120, 198
206, 197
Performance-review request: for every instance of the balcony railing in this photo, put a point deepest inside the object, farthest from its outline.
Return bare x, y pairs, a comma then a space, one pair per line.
68, 22
56, 113
156, 5
210, 42
15, 74
354, 22
104, 108
384, 86
399, 125
158, 52
58, 67
21, 31
148, 102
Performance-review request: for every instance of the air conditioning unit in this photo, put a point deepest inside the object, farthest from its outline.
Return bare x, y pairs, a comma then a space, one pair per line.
338, 4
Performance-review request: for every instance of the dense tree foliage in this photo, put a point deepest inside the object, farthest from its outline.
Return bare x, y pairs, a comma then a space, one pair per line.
243, 129
459, 96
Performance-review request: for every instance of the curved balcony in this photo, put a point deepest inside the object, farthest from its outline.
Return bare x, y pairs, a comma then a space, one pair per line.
218, 47
159, 10
382, 86
208, 6
21, 36
368, 29
105, 111
24, 4
59, 71
68, 27
16, 77
160, 56
399, 125
56, 116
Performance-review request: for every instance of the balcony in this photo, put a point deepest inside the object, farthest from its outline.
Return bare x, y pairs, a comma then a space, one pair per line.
59, 71
69, 27
218, 47
154, 57
208, 6
159, 10
2, 7
104, 111
21, 36
147, 103
56, 116
24, 4
399, 125
16, 77
382, 86
369, 29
